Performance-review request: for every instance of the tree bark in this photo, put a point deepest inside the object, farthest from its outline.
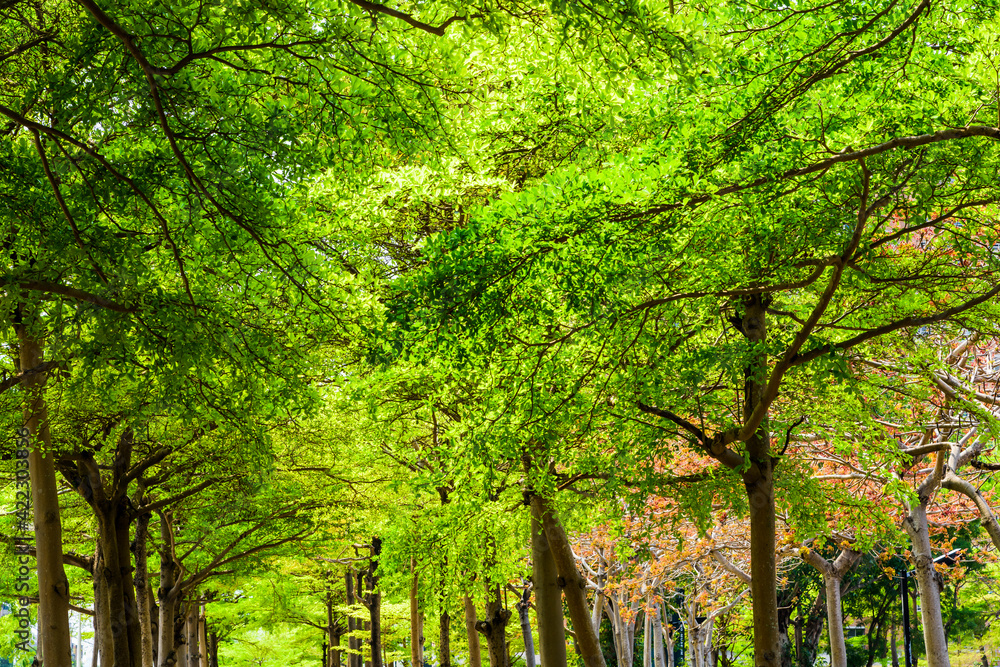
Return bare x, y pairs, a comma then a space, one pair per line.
142, 590
102, 619
835, 622
475, 651
133, 630
813, 629
668, 637
659, 654
548, 596
759, 483
494, 628
647, 643
181, 639
935, 642
53, 586
374, 602
833, 573
416, 639
798, 636
191, 630
333, 633
353, 644
574, 588
203, 636
168, 596
523, 614
213, 650
444, 650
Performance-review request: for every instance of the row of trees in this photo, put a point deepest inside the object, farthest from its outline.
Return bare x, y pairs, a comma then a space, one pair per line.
719, 280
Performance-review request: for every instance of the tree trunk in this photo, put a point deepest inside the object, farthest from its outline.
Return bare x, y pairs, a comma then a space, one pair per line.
668, 637
656, 638
835, 622
935, 642
203, 636
523, 615
167, 595
375, 604
333, 633
191, 630
798, 637
133, 630
416, 632
813, 629
416, 646
142, 590
647, 643
116, 595
102, 619
181, 639
495, 627
213, 650
548, 596
475, 651
624, 636
574, 589
154, 620
353, 645
444, 650
759, 483
53, 586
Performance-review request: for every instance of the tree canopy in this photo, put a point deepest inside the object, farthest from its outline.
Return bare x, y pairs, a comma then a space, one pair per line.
330, 324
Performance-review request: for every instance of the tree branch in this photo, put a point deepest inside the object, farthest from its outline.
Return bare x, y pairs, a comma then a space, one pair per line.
376, 8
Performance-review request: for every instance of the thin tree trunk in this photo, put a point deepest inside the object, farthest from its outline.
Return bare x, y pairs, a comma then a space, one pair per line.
416, 641
376, 629
668, 637
444, 650
548, 596
167, 594
353, 645
154, 620
574, 589
798, 634
759, 483
53, 586
835, 622
332, 635
142, 590
191, 630
523, 608
375, 604
213, 650
472, 635
133, 630
647, 641
833, 573
813, 629
935, 642
102, 618
181, 639
659, 656
203, 636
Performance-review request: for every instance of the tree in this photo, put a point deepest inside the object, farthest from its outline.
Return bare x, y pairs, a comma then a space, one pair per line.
694, 278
